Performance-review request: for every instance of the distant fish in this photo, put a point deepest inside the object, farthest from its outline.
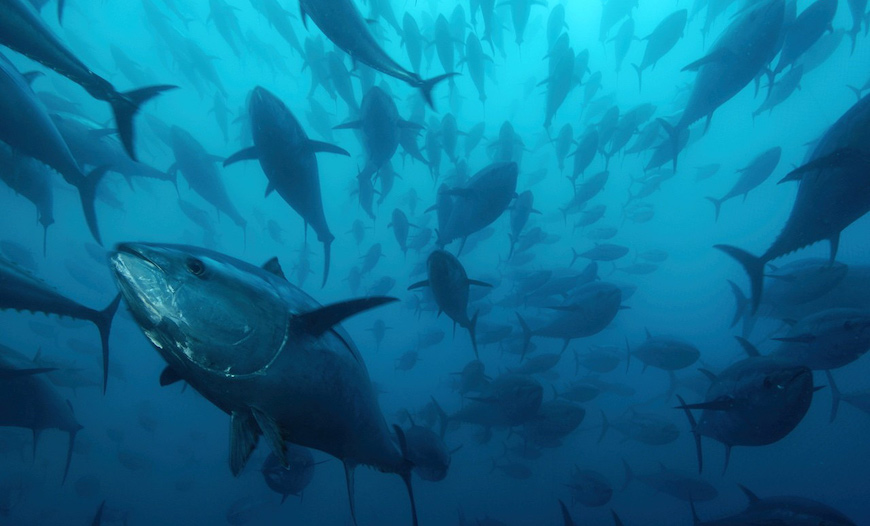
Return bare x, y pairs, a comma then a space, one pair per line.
22, 30
342, 23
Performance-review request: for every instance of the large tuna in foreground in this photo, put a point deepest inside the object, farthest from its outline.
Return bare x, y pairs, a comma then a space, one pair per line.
263, 351
833, 193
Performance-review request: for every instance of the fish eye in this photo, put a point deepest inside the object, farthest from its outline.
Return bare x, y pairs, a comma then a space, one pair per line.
195, 267
767, 383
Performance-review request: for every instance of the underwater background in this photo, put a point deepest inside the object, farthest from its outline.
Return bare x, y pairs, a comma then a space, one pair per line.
158, 455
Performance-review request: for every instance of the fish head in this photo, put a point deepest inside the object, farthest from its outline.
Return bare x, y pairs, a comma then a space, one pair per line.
781, 390
202, 310
428, 453
443, 267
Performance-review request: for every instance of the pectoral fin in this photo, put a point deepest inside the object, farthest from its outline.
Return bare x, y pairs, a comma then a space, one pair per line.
319, 146
801, 338
243, 440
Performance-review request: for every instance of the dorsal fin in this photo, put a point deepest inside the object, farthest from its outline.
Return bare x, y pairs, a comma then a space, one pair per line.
750, 349
753, 498
709, 374
274, 266
319, 321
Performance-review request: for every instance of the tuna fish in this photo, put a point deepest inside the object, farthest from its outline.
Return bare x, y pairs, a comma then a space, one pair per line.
198, 168
747, 46
292, 478
343, 24
262, 351
21, 291
831, 196
663, 38
589, 311
29, 401
287, 157
481, 201
782, 510
449, 284
754, 402
22, 30
755, 173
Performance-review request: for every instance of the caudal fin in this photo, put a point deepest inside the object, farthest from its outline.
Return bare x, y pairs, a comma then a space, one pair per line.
126, 105
426, 87
694, 426
754, 267
836, 396
327, 254
406, 472
69, 453
740, 300
674, 137
103, 320
629, 475
605, 426
472, 331
717, 203
639, 77
527, 335
87, 187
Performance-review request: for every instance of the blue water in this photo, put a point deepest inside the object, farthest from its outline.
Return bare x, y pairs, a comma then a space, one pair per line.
176, 443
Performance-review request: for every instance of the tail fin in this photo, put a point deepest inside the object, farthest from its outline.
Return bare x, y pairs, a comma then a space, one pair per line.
639, 77
740, 300
616, 520
694, 431
472, 332
629, 474
754, 267
836, 396
69, 453
696, 521
426, 86
406, 472
627, 355
853, 34
566, 516
717, 203
327, 252
856, 91
98, 518
442, 417
126, 105
87, 187
674, 138
527, 335
103, 320
605, 425
574, 257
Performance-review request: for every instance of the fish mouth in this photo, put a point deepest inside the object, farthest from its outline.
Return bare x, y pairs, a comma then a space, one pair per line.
125, 251
141, 280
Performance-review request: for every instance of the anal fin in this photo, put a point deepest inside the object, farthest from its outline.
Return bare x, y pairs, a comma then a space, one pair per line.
272, 434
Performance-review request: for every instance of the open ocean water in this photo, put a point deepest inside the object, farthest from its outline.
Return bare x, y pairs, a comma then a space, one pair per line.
610, 260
